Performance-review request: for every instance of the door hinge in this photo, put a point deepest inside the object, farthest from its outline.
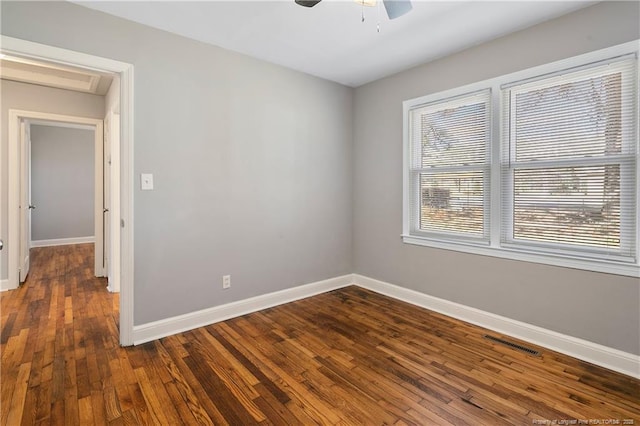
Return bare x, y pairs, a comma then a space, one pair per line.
122, 223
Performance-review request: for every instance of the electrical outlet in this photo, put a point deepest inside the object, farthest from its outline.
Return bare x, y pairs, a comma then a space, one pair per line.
226, 281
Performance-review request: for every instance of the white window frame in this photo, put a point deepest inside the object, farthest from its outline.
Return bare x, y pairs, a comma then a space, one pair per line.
495, 248
484, 168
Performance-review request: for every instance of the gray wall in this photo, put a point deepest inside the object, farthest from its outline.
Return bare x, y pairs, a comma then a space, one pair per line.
62, 182
253, 173
598, 307
30, 97
251, 162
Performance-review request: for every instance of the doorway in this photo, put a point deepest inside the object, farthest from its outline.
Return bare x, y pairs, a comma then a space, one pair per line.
21, 205
120, 220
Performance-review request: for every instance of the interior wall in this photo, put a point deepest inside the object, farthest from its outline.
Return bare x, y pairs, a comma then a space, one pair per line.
62, 182
251, 162
598, 307
30, 97
256, 174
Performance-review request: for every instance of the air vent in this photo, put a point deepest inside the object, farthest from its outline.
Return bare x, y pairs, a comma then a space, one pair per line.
524, 349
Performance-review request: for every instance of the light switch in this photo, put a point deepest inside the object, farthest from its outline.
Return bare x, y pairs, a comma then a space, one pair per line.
146, 181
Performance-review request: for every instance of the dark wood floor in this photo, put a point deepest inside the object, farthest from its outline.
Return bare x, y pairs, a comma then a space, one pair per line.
345, 357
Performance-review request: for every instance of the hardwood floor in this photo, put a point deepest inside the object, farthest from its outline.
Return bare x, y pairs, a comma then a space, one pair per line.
345, 357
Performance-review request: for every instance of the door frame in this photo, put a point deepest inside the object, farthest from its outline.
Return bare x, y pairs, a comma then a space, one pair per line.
110, 162
123, 254
24, 231
16, 162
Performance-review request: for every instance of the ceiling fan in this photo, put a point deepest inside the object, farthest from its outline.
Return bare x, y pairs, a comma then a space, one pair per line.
394, 8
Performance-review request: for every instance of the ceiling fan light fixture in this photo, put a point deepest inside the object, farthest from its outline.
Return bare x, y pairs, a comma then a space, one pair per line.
394, 8
307, 3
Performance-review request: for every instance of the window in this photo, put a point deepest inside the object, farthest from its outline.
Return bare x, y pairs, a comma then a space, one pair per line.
540, 165
569, 153
450, 166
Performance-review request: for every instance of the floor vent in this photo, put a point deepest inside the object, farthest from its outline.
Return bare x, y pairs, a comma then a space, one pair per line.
512, 345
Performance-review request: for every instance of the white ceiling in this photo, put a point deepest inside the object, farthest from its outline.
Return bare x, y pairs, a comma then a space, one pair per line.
330, 41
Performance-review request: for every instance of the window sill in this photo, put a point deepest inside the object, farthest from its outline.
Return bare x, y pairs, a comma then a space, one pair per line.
593, 265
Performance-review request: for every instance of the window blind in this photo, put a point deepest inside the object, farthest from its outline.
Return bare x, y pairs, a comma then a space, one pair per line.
569, 153
449, 167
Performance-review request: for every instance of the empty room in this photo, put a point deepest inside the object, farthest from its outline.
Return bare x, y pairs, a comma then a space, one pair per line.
402, 212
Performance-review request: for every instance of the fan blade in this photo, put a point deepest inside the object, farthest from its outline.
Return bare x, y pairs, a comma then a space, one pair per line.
308, 3
396, 8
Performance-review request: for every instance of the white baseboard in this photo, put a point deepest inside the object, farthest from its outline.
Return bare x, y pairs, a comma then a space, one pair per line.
62, 241
178, 324
595, 353
4, 285
585, 350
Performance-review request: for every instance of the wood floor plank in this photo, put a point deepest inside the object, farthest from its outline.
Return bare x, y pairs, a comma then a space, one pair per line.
159, 413
30, 409
223, 398
345, 357
85, 409
16, 407
197, 395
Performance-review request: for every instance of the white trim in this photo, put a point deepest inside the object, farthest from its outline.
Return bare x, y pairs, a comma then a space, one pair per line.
596, 265
63, 241
124, 252
496, 248
112, 161
13, 198
595, 353
178, 324
4, 285
98, 189
61, 124
15, 184
585, 350
33, 50
82, 81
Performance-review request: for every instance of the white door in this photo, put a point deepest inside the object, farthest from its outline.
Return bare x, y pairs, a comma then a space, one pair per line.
25, 198
99, 223
113, 224
107, 196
